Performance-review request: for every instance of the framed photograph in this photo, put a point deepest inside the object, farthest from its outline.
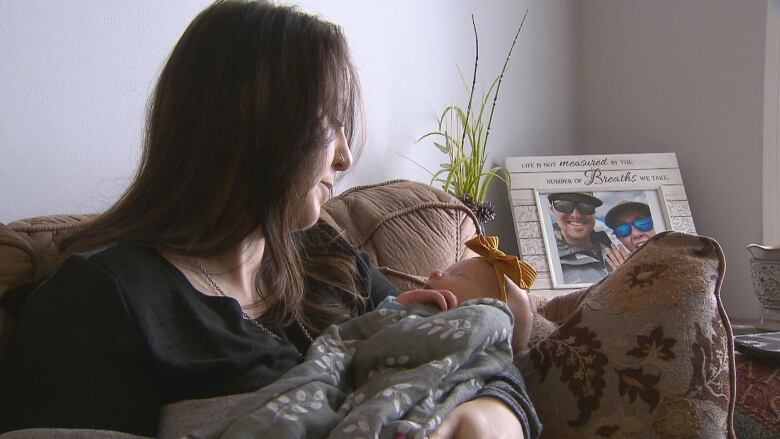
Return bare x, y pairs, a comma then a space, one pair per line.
578, 217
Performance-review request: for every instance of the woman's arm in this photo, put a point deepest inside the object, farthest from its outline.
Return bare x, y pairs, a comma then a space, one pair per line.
482, 418
509, 388
75, 359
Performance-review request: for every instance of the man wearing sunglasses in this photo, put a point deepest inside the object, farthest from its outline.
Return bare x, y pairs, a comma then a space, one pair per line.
581, 250
631, 223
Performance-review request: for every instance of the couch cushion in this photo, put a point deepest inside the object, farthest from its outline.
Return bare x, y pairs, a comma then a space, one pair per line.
406, 226
180, 418
647, 351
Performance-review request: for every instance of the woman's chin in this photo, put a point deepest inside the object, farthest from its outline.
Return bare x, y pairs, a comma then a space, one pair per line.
310, 211
308, 218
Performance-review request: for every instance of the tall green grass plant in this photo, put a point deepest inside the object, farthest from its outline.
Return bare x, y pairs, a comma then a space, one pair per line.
462, 135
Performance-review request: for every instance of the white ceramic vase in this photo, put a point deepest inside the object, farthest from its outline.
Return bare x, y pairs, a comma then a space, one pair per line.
765, 273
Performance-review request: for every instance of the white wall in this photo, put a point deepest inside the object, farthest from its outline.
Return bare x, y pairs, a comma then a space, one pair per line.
684, 77
771, 171
75, 77
74, 81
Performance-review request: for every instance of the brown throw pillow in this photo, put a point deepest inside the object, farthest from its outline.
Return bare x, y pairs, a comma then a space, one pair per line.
648, 351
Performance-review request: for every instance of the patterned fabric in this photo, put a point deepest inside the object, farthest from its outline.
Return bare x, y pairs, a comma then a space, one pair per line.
647, 352
384, 373
757, 414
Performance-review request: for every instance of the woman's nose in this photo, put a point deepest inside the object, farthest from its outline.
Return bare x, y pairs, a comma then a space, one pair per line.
342, 160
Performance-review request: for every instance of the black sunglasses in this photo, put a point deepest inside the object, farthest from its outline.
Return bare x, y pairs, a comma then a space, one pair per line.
567, 206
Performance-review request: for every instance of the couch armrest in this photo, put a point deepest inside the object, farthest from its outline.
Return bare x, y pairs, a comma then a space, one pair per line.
406, 226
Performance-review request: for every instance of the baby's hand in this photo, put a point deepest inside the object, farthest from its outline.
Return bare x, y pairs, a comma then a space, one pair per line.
445, 299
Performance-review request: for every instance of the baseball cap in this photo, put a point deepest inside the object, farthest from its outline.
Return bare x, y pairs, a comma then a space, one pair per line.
610, 219
575, 196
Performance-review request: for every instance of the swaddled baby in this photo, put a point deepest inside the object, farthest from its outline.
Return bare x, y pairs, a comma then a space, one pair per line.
400, 370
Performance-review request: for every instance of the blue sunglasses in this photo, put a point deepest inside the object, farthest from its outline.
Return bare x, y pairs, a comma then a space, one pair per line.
642, 224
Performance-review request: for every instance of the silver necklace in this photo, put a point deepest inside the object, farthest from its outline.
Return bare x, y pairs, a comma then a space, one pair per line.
246, 316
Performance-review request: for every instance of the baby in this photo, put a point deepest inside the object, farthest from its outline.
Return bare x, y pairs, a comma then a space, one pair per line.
491, 275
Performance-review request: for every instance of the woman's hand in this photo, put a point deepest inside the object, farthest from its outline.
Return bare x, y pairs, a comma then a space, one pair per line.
445, 299
486, 418
616, 256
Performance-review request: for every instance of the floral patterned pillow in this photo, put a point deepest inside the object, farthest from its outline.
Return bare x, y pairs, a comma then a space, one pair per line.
648, 352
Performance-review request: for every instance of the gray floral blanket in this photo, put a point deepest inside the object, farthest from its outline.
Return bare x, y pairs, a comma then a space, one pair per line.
386, 372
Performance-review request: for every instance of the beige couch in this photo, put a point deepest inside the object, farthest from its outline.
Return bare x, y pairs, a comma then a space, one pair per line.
646, 352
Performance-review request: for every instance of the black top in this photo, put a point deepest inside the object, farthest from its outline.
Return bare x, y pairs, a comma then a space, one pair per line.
112, 336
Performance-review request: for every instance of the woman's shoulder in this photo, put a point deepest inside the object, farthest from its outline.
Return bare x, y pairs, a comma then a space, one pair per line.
121, 268
86, 281
118, 262
122, 256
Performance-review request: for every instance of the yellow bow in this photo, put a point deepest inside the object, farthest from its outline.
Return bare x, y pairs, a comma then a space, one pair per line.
518, 271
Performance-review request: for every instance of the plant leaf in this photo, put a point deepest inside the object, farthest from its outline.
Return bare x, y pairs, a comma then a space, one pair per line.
443, 148
432, 133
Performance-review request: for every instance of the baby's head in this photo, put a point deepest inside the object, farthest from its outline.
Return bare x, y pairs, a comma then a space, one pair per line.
476, 278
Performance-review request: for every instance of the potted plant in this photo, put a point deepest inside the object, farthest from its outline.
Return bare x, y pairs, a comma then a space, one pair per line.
463, 136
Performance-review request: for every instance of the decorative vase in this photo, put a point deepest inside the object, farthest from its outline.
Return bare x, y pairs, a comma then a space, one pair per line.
765, 273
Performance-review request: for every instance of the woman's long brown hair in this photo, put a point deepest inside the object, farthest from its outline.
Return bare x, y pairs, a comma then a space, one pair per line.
236, 127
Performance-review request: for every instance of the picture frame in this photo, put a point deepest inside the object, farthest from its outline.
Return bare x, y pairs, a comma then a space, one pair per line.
627, 198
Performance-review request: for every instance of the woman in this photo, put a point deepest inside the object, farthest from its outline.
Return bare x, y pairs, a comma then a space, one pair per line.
211, 275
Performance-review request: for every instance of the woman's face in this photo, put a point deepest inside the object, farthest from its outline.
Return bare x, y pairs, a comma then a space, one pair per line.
636, 238
336, 158
576, 226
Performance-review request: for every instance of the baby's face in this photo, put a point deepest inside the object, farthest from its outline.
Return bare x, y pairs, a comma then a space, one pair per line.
467, 279
474, 278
